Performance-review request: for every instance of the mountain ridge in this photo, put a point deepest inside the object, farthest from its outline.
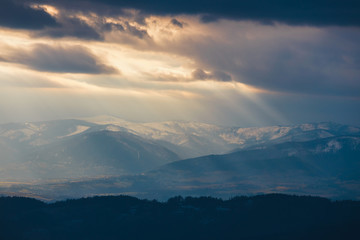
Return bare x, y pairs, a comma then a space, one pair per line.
327, 167
186, 139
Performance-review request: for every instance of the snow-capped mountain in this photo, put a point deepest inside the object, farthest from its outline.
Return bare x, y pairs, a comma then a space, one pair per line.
189, 139
41, 133
194, 139
111, 146
90, 154
328, 167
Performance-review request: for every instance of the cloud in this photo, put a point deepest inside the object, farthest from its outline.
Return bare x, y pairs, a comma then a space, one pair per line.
21, 16
279, 58
71, 27
112, 26
221, 76
316, 70
298, 12
175, 22
71, 59
200, 74
132, 30
76, 24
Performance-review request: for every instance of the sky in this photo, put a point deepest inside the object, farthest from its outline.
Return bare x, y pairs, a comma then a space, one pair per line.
229, 62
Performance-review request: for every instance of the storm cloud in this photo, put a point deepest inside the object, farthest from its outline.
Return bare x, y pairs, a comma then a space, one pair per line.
71, 27
175, 22
279, 58
230, 61
298, 12
132, 30
21, 16
70, 59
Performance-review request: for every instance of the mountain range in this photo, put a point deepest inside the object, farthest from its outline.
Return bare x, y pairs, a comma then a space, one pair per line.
106, 155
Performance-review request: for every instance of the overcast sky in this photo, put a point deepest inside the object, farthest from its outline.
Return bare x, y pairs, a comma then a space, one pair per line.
229, 62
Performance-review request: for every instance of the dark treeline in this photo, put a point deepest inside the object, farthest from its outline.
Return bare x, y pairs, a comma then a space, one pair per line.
273, 216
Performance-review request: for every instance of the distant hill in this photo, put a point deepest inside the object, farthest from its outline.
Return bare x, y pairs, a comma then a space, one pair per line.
270, 217
328, 167
90, 154
186, 139
74, 158
193, 139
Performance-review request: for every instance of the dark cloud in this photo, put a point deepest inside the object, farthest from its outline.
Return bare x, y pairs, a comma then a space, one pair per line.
221, 76
132, 30
329, 65
200, 74
21, 16
112, 26
278, 58
296, 12
139, 18
175, 22
320, 72
74, 59
71, 27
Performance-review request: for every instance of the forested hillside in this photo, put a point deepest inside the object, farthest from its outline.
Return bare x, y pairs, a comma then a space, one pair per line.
273, 216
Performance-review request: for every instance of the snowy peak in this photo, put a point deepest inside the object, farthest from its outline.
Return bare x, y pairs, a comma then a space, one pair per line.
41, 133
196, 139
187, 139
277, 134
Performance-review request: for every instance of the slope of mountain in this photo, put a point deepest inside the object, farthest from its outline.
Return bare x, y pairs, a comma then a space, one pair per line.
193, 139
82, 149
327, 167
41, 133
90, 154
186, 139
